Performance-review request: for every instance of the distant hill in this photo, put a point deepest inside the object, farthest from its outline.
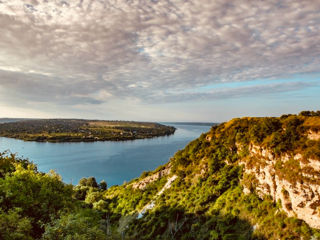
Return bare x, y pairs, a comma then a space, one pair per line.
8, 120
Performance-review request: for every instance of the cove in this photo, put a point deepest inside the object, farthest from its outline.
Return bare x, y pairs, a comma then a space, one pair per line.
114, 162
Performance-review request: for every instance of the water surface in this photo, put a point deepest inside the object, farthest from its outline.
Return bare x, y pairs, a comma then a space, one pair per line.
115, 162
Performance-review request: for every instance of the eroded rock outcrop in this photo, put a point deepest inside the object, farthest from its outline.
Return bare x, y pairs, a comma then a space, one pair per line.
142, 184
298, 191
151, 205
314, 135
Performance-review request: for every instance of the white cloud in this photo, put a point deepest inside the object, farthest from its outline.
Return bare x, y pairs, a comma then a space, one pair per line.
91, 51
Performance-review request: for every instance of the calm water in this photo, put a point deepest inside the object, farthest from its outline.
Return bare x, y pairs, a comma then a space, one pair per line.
115, 162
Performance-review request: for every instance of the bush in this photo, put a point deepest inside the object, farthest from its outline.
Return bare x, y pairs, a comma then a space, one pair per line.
82, 225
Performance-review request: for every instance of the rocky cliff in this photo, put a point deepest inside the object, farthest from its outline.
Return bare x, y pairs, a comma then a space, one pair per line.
299, 197
144, 182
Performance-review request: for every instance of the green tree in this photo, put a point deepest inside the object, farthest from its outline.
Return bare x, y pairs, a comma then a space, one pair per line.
93, 197
103, 185
91, 182
83, 182
39, 196
13, 226
82, 225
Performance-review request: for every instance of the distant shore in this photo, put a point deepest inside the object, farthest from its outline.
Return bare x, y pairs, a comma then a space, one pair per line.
193, 123
80, 130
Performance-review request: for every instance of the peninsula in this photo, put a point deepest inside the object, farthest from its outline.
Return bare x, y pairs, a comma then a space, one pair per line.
80, 130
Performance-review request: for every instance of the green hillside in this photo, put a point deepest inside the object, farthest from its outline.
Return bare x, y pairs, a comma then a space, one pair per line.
211, 189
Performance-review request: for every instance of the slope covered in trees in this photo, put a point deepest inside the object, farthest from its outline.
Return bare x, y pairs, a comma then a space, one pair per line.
199, 194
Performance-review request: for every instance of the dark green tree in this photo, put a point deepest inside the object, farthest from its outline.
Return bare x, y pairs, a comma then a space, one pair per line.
91, 182
103, 185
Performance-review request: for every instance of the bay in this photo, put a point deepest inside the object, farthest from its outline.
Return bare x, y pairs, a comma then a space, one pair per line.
114, 162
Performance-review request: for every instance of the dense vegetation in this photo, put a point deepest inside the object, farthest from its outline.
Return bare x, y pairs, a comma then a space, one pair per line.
75, 130
34, 205
205, 201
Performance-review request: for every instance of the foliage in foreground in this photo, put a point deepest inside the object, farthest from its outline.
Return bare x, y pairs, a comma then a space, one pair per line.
35, 205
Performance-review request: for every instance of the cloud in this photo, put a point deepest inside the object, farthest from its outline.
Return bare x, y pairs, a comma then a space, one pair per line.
90, 51
234, 92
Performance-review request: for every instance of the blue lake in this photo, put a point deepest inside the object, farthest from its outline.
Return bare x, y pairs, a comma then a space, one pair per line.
115, 162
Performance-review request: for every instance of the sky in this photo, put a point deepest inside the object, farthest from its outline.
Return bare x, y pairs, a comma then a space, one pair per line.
159, 60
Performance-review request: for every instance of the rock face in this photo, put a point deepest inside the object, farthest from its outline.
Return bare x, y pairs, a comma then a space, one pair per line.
314, 135
152, 203
154, 177
300, 196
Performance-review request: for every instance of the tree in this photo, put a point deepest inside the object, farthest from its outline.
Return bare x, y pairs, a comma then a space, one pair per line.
91, 182
93, 197
14, 226
103, 185
83, 182
39, 196
83, 225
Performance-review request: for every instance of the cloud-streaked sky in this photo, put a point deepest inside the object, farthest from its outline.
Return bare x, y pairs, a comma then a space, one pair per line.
159, 60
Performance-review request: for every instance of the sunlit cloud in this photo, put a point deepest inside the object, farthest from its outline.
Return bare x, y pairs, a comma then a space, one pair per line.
93, 52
